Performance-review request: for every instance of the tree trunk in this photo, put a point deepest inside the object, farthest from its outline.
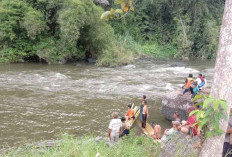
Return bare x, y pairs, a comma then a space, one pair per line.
222, 84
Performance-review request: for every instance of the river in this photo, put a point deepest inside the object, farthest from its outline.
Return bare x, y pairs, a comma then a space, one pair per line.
39, 101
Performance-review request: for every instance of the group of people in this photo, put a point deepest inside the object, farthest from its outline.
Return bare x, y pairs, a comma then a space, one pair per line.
186, 127
118, 127
194, 86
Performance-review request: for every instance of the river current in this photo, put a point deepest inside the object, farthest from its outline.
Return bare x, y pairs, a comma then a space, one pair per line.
39, 101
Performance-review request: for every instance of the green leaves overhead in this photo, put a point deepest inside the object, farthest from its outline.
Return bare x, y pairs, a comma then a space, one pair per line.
126, 6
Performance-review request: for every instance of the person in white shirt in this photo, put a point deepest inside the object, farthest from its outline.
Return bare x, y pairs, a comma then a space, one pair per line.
114, 129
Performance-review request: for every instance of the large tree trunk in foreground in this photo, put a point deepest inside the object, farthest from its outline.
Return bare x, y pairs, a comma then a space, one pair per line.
222, 84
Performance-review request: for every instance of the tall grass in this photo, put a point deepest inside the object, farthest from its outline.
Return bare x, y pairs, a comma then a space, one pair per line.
126, 49
160, 51
68, 146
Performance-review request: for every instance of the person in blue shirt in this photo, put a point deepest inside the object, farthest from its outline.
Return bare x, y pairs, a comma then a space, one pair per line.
194, 89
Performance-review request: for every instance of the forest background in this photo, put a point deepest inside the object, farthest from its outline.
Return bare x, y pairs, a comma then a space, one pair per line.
59, 31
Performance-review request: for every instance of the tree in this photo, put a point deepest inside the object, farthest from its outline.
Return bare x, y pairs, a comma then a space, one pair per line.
222, 87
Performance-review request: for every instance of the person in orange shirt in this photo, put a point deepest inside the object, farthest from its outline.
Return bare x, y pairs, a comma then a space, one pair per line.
130, 113
188, 83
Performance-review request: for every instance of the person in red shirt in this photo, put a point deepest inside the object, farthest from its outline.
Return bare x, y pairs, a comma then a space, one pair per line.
130, 113
189, 129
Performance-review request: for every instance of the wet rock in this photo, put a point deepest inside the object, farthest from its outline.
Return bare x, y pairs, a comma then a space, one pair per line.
177, 64
180, 145
99, 139
47, 143
173, 101
101, 2
91, 60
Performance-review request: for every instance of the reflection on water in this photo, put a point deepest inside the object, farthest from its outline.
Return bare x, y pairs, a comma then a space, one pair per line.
41, 101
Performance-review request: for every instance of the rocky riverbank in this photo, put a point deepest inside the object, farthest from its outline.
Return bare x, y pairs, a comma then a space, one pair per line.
173, 101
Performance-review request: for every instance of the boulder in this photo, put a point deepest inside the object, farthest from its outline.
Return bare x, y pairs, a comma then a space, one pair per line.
101, 2
180, 145
173, 101
177, 64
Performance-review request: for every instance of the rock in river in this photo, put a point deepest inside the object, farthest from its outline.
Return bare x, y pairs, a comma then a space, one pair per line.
174, 102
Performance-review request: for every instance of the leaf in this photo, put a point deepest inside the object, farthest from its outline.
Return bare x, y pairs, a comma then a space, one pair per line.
216, 121
125, 7
199, 104
119, 1
119, 11
223, 104
193, 112
209, 134
216, 104
197, 97
207, 102
208, 111
224, 116
105, 15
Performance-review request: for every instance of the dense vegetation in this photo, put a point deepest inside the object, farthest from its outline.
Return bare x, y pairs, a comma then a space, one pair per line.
55, 31
184, 28
132, 146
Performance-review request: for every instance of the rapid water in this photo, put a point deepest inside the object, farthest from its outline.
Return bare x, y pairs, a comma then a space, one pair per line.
40, 101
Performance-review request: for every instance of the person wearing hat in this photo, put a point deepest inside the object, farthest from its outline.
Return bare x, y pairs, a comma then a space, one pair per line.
168, 133
114, 129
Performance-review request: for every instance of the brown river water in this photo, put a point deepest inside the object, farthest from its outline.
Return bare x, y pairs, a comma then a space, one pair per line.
39, 102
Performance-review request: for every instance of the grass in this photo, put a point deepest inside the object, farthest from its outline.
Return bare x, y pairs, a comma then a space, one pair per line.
69, 146
126, 50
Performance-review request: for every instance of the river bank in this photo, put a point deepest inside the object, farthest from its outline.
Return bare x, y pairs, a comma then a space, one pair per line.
131, 146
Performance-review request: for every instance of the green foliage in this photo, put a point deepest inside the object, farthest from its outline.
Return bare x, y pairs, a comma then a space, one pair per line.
126, 6
191, 27
160, 51
131, 146
122, 53
53, 30
208, 118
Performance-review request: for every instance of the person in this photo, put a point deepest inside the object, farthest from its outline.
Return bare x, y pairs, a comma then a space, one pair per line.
200, 81
227, 147
194, 89
168, 133
205, 81
176, 116
196, 106
157, 131
141, 108
114, 129
130, 113
188, 83
125, 128
144, 114
189, 128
